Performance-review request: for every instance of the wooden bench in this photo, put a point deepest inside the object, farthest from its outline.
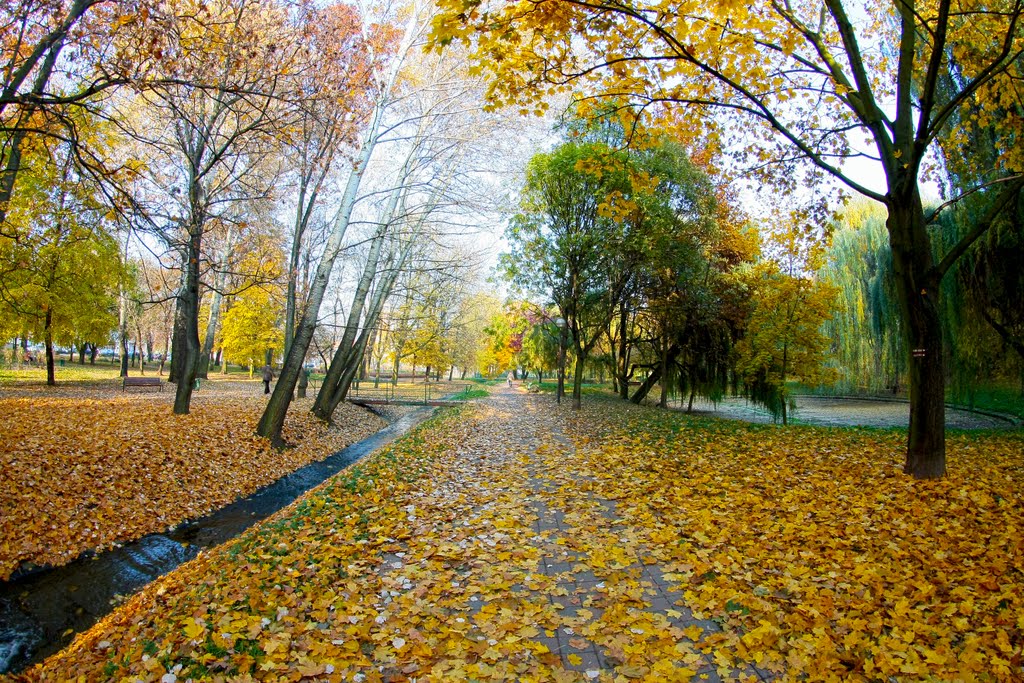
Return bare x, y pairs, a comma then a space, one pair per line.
141, 382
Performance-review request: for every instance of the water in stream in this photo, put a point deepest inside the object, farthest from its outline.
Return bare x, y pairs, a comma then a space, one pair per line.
38, 608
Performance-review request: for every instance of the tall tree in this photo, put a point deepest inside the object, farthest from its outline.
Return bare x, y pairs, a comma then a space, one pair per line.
211, 121
812, 81
567, 239
59, 264
387, 59
335, 88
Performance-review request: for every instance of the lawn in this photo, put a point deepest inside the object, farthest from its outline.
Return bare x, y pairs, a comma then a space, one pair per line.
85, 466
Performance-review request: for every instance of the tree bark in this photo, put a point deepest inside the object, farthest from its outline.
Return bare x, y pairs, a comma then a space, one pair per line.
122, 332
654, 377
186, 356
214, 321
917, 286
563, 333
577, 383
51, 379
177, 332
663, 384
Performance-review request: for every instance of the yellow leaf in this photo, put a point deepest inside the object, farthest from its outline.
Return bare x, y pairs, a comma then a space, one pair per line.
194, 629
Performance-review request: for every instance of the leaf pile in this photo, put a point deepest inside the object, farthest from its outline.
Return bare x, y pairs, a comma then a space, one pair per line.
803, 551
87, 473
817, 555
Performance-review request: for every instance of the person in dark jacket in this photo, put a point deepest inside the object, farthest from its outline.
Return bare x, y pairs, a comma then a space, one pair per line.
268, 377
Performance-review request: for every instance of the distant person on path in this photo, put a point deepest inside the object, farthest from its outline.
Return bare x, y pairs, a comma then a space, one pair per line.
268, 377
510, 379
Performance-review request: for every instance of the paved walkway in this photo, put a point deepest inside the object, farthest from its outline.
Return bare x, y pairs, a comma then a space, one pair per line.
574, 576
840, 412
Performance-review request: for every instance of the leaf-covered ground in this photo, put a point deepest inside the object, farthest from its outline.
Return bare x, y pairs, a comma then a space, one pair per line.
517, 541
85, 469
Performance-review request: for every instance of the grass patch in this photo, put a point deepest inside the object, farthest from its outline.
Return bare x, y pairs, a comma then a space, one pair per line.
468, 394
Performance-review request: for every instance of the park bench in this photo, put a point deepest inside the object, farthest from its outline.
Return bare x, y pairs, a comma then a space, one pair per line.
141, 382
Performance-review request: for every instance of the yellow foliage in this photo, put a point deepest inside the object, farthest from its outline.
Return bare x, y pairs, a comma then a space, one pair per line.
816, 557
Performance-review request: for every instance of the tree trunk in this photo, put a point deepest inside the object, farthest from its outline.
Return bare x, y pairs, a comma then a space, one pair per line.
577, 380
214, 321
562, 334
93, 351
51, 379
138, 349
364, 370
81, 353
186, 357
177, 332
917, 287
663, 399
122, 331
654, 377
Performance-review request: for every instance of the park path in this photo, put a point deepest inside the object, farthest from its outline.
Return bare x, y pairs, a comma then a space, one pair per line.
829, 411
571, 566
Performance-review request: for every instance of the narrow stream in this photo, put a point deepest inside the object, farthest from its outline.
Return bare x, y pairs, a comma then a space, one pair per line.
38, 609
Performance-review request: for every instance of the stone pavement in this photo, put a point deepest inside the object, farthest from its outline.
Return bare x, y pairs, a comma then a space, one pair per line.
844, 412
580, 579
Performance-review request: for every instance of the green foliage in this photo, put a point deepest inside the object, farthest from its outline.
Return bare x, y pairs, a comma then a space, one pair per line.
563, 240
985, 287
984, 300
540, 347
869, 351
59, 264
784, 338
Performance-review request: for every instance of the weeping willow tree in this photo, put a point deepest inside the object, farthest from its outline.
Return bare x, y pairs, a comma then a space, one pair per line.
984, 304
867, 341
982, 311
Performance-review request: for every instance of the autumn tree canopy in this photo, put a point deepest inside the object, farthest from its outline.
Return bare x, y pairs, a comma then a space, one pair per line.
801, 85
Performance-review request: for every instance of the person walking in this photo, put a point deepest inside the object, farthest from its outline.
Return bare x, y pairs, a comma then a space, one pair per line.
510, 379
268, 377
